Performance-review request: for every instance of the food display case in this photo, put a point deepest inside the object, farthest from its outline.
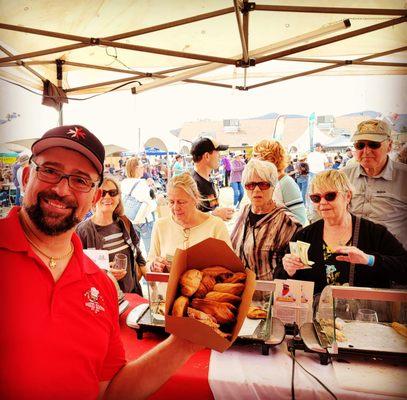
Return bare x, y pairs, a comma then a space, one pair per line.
354, 321
151, 317
260, 325
262, 328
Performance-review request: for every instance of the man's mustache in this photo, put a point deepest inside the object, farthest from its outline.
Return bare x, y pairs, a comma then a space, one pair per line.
68, 202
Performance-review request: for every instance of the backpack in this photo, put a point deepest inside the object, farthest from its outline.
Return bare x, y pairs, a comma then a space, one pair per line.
131, 204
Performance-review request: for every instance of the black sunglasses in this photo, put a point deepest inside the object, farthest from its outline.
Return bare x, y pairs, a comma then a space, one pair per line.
261, 185
371, 145
329, 196
111, 192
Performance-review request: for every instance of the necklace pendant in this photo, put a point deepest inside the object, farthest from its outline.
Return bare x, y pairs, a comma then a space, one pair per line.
52, 263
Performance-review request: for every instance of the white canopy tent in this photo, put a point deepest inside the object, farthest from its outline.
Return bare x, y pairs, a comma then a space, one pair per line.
92, 47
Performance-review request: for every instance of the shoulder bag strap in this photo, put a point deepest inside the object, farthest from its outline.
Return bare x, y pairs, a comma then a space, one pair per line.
355, 240
134, 186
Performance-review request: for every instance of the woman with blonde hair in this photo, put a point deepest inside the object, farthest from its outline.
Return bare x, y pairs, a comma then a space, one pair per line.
137, 187
109, 229
273, 151
344, 248
186, 225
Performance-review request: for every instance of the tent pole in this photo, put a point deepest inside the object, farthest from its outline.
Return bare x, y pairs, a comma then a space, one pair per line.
262, 50
314, 71
332, 39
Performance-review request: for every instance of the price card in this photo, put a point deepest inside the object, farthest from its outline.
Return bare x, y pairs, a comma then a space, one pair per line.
99, 257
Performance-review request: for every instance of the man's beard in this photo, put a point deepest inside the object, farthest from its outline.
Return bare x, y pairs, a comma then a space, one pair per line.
44, 222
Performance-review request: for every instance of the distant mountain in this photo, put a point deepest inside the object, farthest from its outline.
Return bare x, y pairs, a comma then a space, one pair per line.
275, 116
368, 113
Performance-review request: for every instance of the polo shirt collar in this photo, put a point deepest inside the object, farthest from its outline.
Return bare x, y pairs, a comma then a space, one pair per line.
14, 239
386, 174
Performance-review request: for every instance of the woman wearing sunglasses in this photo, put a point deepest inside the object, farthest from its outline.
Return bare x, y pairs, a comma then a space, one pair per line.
337, 243
288, 192
263, 228
109, 229
186, 225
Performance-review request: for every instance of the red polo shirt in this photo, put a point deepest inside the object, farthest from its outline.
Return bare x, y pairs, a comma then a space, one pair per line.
58, 340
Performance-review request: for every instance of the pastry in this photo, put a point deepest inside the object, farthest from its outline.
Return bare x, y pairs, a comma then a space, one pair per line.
223, 297
237, 277
399, 328
206, 285
180, 306
220, 311
329, 332
190, 281
232, 288
256, 313
202, 317
219, 273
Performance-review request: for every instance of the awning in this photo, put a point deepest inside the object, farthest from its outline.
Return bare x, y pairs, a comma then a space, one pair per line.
97, 46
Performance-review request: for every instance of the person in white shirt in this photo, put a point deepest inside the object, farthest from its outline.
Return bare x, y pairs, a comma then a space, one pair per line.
317, 160
138, 188
186, 225
23, 160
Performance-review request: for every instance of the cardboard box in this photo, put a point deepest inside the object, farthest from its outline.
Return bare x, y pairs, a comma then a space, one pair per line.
208, 253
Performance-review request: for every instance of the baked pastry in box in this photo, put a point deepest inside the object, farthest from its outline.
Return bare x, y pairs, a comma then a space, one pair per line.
209, 286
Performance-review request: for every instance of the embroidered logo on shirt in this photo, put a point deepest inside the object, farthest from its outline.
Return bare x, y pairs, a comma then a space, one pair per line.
93, 300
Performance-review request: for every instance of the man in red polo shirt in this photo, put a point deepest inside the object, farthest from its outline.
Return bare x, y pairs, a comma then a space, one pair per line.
60, 333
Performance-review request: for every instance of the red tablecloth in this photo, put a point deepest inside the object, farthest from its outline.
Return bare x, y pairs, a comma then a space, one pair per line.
189, 382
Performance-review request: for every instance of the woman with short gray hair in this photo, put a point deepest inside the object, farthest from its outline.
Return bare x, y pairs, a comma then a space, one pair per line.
263, 229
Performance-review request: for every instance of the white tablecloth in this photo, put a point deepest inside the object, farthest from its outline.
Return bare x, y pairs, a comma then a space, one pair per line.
242, 373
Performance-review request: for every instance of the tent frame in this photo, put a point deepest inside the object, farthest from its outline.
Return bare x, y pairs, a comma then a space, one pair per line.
242, 9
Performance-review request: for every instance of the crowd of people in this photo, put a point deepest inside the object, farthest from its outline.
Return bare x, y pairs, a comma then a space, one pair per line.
359, 237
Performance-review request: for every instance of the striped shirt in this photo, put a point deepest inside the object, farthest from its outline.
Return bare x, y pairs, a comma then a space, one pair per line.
261, 246
114, 241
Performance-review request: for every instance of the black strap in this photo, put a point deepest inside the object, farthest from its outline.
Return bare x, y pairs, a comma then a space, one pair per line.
355, 240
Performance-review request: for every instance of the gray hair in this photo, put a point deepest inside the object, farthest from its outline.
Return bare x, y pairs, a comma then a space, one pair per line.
264, 170
188, 184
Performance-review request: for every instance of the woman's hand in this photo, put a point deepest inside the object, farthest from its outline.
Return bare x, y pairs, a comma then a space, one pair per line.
292, 263
160, 264
118, 273
352, 254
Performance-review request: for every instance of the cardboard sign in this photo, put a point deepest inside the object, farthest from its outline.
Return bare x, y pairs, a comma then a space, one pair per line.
293, 301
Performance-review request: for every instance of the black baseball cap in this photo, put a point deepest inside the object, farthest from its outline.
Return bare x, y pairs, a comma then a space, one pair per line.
73, 137
206, 145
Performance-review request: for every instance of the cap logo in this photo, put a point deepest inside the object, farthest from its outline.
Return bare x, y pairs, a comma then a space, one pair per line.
77, 133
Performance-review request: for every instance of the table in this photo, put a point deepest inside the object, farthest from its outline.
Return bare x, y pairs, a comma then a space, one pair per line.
189, 382
241, 372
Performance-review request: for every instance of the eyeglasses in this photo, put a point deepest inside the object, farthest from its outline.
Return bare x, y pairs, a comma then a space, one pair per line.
261, 185
371, 145
111, 192
75, 182
329, 196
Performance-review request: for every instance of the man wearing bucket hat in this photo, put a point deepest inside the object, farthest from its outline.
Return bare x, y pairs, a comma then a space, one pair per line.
380, 183
62, 339
205, 154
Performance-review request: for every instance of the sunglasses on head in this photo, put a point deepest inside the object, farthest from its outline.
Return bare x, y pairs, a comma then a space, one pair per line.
329, 196
111, 192
261, 185
371, 145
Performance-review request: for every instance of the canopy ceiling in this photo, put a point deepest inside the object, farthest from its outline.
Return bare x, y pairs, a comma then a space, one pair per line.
101, 44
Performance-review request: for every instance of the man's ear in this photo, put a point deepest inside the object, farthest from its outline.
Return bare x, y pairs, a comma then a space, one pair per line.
25, 175
96, 197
